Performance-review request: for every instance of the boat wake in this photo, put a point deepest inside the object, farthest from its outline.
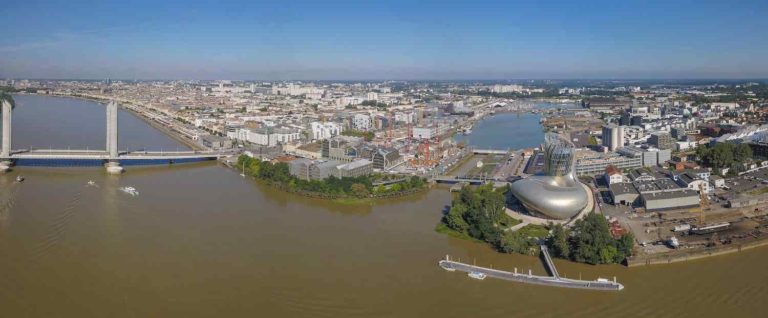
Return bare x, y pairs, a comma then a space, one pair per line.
58, 227
7, 201
130, 190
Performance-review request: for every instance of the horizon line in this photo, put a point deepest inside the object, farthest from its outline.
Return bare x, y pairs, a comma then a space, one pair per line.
408, 80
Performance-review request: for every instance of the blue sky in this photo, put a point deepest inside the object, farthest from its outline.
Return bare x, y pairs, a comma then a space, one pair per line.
383, 40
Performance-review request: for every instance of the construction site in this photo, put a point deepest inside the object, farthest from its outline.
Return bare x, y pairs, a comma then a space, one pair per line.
711, 228
426, 148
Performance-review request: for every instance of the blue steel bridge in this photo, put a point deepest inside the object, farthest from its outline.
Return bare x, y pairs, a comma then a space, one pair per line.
95, 158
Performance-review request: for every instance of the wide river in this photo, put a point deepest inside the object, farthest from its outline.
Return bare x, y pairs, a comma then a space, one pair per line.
510, 130
200, 241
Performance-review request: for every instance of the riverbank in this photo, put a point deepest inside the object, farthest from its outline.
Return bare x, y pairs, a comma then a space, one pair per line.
168, 131
338, 199
129, 106
340, 190
345, 199
694, 254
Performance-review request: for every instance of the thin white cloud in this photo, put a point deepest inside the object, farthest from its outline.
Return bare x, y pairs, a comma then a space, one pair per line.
27, 46
56, 39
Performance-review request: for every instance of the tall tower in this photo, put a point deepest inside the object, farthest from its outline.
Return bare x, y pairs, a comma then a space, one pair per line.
112, 130
6, 148
613, 137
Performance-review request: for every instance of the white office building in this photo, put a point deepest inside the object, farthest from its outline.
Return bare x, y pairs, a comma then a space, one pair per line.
283, 135
266, 136
362, 122
403, 117
423, 132
322, 131
296, 90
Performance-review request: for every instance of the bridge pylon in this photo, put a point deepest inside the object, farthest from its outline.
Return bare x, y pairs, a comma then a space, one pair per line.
112, 165
112, 130
5, 150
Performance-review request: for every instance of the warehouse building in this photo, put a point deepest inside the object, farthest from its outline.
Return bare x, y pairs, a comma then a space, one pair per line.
624, 193
357, 168
307, 169
641, 175
669, 199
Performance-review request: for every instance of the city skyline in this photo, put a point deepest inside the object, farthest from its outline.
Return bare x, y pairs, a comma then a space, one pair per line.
393, 40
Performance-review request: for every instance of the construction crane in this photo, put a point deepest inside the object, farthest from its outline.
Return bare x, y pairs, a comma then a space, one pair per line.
390, 124
703, 204
409, 138
424, 155
437, 140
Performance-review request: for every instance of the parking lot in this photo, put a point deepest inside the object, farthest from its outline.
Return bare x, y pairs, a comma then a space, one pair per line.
748, 182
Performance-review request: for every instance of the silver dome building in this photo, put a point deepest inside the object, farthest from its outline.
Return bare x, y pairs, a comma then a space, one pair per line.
555, 194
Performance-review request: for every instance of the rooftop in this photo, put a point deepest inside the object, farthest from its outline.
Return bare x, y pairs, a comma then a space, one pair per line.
611, 170
623, 188
311, 147
655, 185
663, 195
328, 163
355, 164
687, 178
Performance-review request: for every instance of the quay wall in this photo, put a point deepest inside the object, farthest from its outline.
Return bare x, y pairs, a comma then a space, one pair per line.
693, 254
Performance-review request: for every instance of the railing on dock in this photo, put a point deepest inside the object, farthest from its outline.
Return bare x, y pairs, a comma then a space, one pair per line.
529, 278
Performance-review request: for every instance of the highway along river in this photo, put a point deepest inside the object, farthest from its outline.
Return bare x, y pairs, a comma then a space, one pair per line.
201, 241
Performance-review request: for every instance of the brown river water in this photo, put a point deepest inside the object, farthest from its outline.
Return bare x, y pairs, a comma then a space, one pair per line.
201, 241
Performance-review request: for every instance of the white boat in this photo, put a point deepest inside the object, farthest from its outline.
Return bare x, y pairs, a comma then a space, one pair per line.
446, 266
91, 183
673, 242
710, 228
19, 178
130, 190
477, 275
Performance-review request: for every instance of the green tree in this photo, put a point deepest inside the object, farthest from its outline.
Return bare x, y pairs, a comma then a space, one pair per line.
455, 217
592, 235
515, 242
724, 155
416, 182
482, 210
625, 246
279, 173
359, 190
743, 152
608, 254
558, 242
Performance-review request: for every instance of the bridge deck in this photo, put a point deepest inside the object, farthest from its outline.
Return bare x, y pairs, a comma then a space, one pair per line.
451, 180
490, 151
103, 155
87, 158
